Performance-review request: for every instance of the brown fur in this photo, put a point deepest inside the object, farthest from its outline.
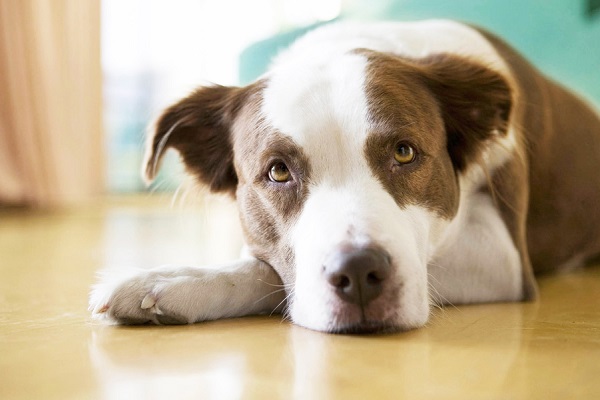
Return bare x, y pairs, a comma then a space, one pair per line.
447, 107
562, 150
268, 209
202, 134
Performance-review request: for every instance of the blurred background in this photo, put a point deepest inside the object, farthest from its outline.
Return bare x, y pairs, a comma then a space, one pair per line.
81, 80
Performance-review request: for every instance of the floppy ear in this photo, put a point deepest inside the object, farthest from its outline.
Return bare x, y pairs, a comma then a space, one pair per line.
475, 102
199, 128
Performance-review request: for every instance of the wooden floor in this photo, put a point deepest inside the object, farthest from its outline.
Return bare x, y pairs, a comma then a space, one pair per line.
51, 349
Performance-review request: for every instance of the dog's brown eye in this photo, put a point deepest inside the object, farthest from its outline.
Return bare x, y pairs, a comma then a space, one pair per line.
405, 153
280, 173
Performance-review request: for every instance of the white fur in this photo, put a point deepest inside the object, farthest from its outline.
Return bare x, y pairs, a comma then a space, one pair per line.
410, 39
476, 259
323, 106
360, 212
109, 280
187, 294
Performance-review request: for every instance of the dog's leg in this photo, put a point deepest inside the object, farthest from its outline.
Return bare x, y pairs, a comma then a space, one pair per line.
183, 295
479, 261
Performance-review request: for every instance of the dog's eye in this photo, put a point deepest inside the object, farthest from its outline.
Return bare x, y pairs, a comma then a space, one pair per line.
405, 153
280, 173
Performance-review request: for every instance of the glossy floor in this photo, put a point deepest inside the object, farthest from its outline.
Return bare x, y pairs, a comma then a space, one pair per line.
51, 349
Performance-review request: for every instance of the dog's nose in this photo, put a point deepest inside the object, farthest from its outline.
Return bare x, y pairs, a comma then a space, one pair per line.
358, 274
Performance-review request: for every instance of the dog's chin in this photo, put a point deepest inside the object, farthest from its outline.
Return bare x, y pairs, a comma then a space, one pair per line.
361, 325
368, 328
355, 326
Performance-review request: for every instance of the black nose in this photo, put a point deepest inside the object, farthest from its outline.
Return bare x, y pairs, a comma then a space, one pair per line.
358, 274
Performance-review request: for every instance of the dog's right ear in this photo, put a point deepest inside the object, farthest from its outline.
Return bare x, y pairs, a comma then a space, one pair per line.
199, 128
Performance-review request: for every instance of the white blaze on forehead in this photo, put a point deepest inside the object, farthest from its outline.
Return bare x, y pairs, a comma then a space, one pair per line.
321, 105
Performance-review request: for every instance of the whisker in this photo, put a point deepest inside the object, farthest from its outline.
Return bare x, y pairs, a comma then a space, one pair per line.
176, 196
285, 313
277, 306
157, 185
270, 294
274, 285
437, 299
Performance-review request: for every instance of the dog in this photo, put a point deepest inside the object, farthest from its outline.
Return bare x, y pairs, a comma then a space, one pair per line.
379, 169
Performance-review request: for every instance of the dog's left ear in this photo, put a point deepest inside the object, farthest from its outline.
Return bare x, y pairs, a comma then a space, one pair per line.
199, 128
475, 102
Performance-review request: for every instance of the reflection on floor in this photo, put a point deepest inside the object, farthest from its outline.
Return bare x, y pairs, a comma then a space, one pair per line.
50, 349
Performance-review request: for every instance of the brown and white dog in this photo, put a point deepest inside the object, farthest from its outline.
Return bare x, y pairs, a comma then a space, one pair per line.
379, 169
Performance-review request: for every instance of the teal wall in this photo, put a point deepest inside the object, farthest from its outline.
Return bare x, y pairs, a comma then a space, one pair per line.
561, 37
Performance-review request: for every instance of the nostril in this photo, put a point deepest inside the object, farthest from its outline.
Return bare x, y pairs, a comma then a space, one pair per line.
374, 278
339, 281
344, 282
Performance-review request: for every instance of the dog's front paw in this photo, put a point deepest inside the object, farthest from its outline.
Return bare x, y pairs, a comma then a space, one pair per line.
139, 297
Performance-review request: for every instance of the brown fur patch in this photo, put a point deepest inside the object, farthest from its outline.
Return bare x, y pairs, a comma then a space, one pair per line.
199, 128
444, 106
473, 101
268, 209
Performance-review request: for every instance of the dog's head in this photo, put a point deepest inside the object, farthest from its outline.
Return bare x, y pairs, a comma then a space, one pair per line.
346, 173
